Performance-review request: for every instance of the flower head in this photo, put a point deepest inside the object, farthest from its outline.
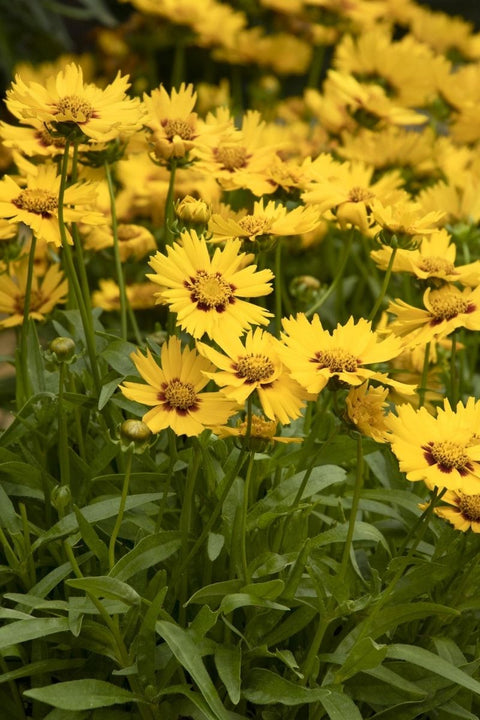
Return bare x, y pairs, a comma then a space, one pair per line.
366, 409
462, 510
262, 433
174, 391
205, 291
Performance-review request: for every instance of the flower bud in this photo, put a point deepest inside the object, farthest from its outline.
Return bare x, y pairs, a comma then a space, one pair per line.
61, 498
193, 211
63, 348
136, 433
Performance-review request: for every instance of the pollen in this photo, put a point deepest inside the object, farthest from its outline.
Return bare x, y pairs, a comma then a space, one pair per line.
179, 396
254, 368
210, 291
336, 360
447, 455
46, 139
469, 506
36, 301
72, 108
437, 265
448, 305
255, 225
359, 194
264, 429
36, 200
179, 128
231, 157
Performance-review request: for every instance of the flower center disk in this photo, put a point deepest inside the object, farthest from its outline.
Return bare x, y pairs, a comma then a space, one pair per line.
179, 396
437, 265
231, 158
254, 368
38, 201
210, 291
73, 108
469, 506
177, 127
336, 360
448, 306
448, 456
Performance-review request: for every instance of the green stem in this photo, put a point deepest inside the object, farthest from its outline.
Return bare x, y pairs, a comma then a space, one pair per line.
169, 205
453, 372
25, 384
185, 523
338, 277
423, 381
172, 446
121, 509
353, 512
116, 254
316, 66
383, 290
278, 287
62, 430
243, 531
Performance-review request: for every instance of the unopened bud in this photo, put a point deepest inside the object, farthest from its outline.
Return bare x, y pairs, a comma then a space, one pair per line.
193, 211
135, 432
63, 348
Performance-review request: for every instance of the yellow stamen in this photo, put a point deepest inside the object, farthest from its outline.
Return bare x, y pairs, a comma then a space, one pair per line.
179, 395
231, 157
469, 506
181, 128
254, 368
210, 291
336, 360
73, 108
36, 200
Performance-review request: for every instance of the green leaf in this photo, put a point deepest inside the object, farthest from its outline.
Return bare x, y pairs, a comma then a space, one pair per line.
434, 663
364, 655
107, 391
238, 600
150, 550
228, 661
91, 538
386, 675
23, 630
362, 531
8, 517
267, 688
82, 695
41, 666
35, 364
117, 354
215, 543
340, 706
107, 587
187, 653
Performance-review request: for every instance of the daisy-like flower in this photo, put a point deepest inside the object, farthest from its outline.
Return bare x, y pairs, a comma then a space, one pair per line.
269, 219
36, 203
170, 118
141, 296
174, 391
315, 356
445, 309
262, 433
441, 450
65, 101
462, 511
433, 260
366, 409
47, 292
133, 240
206, 292
406, 218
255, 365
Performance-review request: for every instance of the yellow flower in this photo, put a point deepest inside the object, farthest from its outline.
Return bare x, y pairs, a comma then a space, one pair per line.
267, 219
445, 309
141, 296
433, 260
36, 205
170, 118
462, 510
262, 433
457, 200
133, 240
315, 356
173, 391
46, 293
255, 365
366, 409
100, 114
406, 218
441, 450
206, 292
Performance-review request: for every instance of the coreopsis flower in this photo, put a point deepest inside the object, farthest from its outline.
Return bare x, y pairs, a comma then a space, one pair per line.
173, 125
173, 391
47, 291
254, 365
262, 433
462, 510
433, 260
36, 203
266, 219
441, 450
406, 218
140, 296
134, 241
66, 103
206, 292
366, 408
33, 140
193, 211
348, 189
315, 356
458, 200
445, 309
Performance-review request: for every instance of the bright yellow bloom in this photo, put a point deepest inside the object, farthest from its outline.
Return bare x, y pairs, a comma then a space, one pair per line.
173, 391
141, 296
458, 200
462, 511
266, 219
366, 409
100, 114
262, 433
433, 260
173, 124
36, 204
134, 241
315, 356
255, 365
441, 450
406, 218
206, 292
47, 292
445, 309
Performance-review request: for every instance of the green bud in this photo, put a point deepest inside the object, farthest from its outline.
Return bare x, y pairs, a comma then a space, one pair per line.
63, 348
61, 497
134, 433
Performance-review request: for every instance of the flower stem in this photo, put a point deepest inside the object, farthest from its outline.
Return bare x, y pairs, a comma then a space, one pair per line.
186, 521
278, 287
243, 532
353, 512
316, 66
121, 509
116, 254
62, 429
25, 384
383, 290
423, 382
453, 372
167, 232
338, 277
